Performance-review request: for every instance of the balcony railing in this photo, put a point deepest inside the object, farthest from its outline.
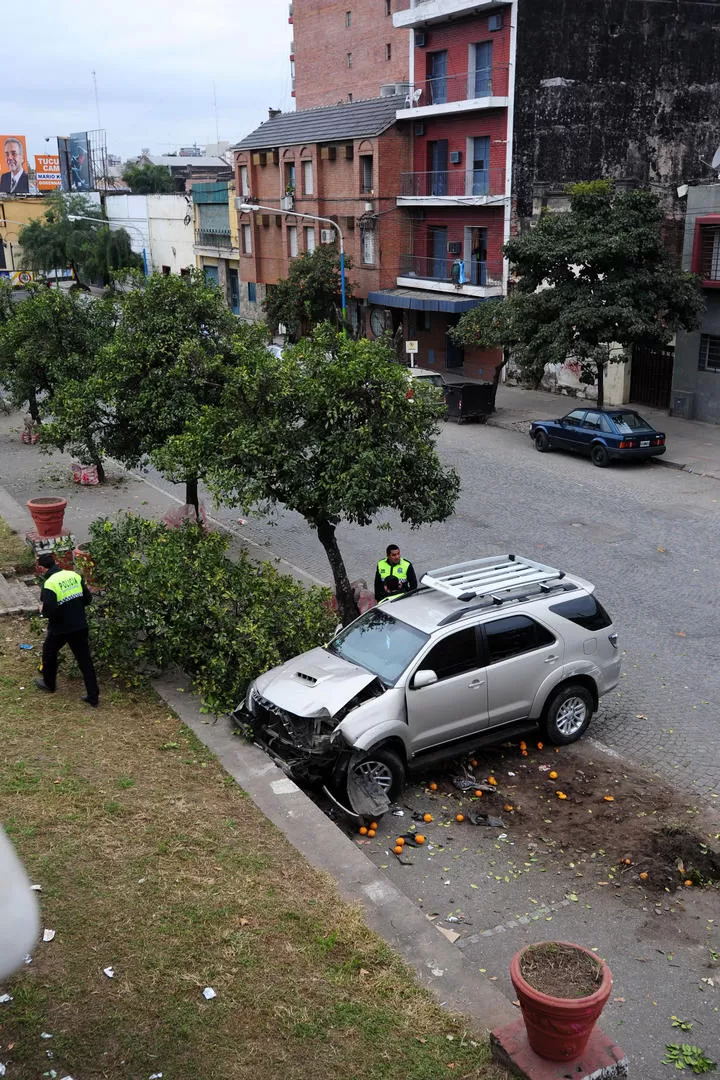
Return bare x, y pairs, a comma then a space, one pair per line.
465, 86
475, 271
452, 183
213, 239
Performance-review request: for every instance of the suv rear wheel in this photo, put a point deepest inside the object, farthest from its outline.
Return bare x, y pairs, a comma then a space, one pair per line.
382, 767
567, 714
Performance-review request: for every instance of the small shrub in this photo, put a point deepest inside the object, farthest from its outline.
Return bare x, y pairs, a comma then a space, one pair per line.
172, 596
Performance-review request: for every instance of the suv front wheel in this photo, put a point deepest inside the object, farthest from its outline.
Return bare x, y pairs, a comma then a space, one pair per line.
567, 714
382, 767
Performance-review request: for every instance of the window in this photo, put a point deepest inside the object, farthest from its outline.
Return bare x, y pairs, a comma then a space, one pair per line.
575, 417
453, 655
366, 173
292, 239
709, 263
289, 177
244, 180
388, 7
379, 643
307, 174
348, 18
166, 271
349, 59
596, 421
513, 636
709, 359
367, 241
627, 422
309, 238
584, 611
252, 292
481, 76
388, 51
246, 240
437, 78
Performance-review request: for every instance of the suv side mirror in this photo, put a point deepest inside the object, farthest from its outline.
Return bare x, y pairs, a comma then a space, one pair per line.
424, 677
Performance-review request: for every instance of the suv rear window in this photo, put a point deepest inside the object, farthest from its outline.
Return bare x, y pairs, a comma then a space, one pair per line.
584, 611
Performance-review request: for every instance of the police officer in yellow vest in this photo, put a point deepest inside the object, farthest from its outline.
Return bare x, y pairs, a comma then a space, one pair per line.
394, 574
64, 598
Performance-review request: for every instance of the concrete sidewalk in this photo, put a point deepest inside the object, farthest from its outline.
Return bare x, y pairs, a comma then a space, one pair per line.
691, 445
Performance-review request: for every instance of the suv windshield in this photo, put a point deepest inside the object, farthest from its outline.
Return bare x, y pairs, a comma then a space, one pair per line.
380, 644
626, 422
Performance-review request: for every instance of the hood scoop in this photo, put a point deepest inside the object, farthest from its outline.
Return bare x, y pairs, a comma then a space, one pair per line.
309, 680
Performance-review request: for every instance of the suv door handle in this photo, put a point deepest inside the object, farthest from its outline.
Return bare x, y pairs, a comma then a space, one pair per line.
476, 683
550, 659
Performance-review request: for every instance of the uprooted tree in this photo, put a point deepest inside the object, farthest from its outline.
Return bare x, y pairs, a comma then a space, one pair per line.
326, 430
591, 284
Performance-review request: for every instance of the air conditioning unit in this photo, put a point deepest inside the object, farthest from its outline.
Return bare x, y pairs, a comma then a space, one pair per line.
398, 89
419, 129
387, 90
420, 39
455, 157
327, 236
495, 22
455, 247
328, 153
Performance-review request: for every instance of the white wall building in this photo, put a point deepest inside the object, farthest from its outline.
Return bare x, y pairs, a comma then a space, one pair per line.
161, 226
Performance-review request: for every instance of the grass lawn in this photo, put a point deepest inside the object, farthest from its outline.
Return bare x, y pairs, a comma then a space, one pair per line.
13, 549
153, 861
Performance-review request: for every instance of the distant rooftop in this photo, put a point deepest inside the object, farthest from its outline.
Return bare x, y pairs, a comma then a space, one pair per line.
329, 123
177, 161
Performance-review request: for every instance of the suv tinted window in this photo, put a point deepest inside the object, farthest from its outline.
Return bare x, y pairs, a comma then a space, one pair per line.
584, 611
379, 643
514, 635
453, 655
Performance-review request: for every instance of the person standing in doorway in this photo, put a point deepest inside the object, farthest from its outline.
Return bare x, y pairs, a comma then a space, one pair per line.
393, 571
63, 600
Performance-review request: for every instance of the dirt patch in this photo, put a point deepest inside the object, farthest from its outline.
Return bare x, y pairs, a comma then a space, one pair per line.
560, 970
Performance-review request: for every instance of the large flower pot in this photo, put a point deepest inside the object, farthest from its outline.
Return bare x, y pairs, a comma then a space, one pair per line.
558, 1028
48, 513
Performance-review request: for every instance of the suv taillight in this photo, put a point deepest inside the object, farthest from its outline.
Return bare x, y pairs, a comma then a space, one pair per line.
613, 639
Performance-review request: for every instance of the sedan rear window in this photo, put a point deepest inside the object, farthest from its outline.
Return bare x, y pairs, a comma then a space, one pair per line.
584, 611
626, 422
379, 643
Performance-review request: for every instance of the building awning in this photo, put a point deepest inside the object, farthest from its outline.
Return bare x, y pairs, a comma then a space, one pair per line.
417, 300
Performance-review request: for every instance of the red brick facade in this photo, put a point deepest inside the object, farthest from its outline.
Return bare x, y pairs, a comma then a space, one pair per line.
323, 40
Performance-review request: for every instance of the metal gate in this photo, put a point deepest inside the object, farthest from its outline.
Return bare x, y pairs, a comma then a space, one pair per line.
651, 377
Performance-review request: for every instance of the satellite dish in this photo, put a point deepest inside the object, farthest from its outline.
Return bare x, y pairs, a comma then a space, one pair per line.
715, 163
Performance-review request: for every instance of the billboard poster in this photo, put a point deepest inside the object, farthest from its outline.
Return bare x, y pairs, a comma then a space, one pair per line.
79, 162
47, 172
14, 179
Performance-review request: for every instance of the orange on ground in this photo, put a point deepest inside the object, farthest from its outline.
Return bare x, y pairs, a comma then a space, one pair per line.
508, 807
459, 817
373, 824
479, 794
427, 817
419, 839
561, 795
523, 745
492, 780
688, 882
644, 876
540, 746
363, 830
400, 841
553, 775
398, 849
609, 798
433, 786
524, 753
371, 833
473, 762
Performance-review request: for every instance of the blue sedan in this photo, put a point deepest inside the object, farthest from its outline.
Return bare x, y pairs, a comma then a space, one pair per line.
604, 434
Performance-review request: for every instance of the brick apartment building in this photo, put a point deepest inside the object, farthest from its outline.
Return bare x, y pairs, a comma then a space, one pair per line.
342, 162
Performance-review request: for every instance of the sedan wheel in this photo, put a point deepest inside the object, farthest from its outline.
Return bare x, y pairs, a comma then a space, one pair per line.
542, 442
599, 456
568, 714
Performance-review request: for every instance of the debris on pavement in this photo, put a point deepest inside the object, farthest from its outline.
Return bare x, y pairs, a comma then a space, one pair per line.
209, 993
110, 972
5, 998
48, 935
485, 819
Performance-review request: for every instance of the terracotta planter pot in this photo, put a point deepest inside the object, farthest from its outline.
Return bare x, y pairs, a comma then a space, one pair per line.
48, 513
558, 1029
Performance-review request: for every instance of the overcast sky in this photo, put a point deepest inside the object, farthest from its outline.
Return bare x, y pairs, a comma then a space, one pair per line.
155, 61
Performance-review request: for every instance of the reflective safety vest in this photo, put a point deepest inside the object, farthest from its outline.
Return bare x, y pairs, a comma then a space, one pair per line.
399, 571
66, 584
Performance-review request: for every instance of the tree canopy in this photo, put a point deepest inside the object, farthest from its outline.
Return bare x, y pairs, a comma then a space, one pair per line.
310, 294
89, 247
327, 430
591, 283
148, 179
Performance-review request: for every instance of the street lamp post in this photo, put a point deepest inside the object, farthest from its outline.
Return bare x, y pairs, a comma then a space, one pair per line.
104, 221
247, 208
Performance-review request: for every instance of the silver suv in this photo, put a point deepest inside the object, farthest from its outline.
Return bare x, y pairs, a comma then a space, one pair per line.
480, 652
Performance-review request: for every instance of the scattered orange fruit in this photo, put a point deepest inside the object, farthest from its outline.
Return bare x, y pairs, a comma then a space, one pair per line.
492, 780
398, 849
609, 798
473, 762
427, 817
478, 793
688, 882
553, 775
561, 795
419, 839
508, 807
433, 786
524, 753
644, 876
373, 824
540, 745
363, 830
627, 862
557, 749
371, 833
459, 817
400, 842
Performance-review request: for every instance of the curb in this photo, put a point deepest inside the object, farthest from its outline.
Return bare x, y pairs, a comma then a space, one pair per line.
441, 968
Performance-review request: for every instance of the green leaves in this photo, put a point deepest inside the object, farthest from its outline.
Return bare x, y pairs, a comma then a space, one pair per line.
148, 179
310, 294
686, 1056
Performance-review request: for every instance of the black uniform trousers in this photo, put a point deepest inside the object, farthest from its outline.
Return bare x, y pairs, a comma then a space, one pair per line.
80, 648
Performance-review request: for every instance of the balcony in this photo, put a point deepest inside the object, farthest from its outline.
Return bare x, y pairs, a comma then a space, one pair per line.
430, 11
479, 88
706, 251
448, 187
218, 241
436, 274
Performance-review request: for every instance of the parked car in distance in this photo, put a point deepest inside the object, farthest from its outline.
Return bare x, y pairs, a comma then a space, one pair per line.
604, 435
465, 399
481, 652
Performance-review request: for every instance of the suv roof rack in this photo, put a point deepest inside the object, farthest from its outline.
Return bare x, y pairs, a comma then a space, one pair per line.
482, 577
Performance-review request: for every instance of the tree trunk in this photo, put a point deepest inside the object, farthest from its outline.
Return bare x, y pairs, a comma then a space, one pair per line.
95, 459
600, 385
191, 496
34, 408
100, 471
347, 607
